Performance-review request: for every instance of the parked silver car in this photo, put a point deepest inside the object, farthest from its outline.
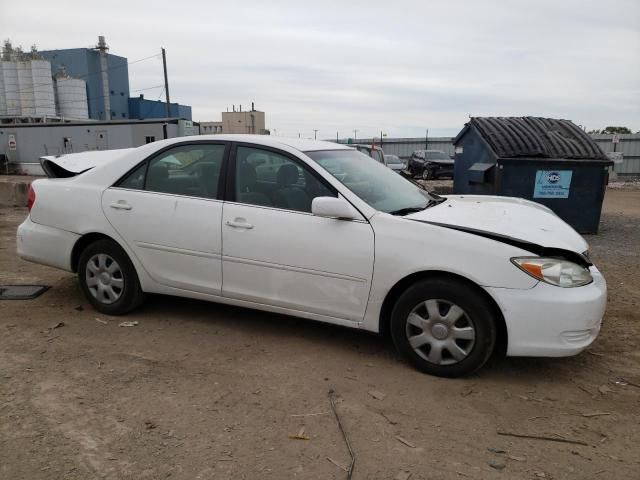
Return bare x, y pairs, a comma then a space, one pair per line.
395, 163
391, 161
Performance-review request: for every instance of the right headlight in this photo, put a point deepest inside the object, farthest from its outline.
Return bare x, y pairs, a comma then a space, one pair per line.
555, 271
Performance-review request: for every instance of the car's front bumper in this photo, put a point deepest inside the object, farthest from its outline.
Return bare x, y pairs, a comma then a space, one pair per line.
46, 245
550, 321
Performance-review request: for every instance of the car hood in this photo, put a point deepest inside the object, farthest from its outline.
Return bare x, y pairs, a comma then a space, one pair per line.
512, 218
396, 166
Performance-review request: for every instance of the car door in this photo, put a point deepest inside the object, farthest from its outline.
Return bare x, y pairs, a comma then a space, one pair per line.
276, 252
169, 210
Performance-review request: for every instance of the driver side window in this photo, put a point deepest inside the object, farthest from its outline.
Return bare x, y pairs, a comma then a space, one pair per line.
269, 179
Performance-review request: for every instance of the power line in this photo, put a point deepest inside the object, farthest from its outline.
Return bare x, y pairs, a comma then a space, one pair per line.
150, 107
86, 75
54, 105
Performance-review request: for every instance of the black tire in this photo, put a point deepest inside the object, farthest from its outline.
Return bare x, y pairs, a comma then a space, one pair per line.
129, 294
477, 314
428, 174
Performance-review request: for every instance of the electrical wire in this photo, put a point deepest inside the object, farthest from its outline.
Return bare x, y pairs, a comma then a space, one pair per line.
157, 55
48, 105
150, 107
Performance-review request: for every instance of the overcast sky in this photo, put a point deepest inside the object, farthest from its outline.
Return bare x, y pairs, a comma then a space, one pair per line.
397, 66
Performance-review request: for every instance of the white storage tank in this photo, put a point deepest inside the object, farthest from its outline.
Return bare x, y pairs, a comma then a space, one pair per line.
10, 89
42, 88
71, 97
27, 88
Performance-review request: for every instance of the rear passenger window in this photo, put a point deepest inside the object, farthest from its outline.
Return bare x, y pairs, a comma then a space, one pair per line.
135, 180
190, 170
269, 179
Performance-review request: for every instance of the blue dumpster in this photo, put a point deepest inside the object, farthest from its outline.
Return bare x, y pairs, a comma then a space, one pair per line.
549, 161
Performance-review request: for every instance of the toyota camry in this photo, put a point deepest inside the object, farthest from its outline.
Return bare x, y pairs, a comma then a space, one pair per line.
321, 231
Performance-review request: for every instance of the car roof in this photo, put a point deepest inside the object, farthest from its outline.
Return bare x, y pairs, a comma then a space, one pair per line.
300, 144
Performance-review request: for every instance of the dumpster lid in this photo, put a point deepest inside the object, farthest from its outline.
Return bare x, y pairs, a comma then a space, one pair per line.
537, 137
481, 167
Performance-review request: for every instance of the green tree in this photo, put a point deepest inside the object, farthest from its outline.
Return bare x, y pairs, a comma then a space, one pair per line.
616, 130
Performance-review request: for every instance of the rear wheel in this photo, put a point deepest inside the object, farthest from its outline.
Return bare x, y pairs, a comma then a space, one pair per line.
108, 278
443, 327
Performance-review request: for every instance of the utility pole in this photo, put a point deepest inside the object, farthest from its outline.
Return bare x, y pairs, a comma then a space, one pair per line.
337, 138
166, 81
381, 141
315, 133
355, 133
426, 141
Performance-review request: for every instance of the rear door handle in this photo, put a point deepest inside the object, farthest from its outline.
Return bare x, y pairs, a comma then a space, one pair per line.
239, 224
121, 205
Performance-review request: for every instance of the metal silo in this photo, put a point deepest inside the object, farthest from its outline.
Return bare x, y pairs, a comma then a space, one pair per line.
71, 97
41, 93
10, 94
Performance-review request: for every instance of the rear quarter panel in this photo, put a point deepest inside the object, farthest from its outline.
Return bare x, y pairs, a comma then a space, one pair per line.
74, 205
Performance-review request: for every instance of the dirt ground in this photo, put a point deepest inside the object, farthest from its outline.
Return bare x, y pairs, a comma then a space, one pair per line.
204, 391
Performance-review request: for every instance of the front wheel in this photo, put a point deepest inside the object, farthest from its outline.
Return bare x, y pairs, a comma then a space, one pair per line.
108, 278
428, 174
443, 327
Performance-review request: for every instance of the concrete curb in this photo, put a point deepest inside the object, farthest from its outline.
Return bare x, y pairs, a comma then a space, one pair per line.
13, 190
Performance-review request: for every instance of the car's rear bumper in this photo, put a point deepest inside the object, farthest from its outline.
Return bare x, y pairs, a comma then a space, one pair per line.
46, 245
549, 321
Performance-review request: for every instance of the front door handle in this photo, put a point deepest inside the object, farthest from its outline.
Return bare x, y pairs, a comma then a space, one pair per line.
121, 205
238, 223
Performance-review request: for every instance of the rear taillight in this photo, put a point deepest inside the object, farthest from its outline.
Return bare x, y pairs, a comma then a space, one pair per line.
31, 197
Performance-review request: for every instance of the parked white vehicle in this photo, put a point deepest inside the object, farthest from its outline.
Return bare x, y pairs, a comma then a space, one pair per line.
320, 231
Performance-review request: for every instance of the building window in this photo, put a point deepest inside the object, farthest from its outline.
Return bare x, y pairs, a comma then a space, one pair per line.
149, 139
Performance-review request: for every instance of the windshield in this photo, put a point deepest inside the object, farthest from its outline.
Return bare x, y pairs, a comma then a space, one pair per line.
379, 186
438, 156
393, 159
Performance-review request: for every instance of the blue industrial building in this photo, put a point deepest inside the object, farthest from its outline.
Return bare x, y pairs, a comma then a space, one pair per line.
84, 63
142, 108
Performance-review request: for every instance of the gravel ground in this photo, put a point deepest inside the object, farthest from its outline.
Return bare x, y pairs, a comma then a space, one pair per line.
203, 391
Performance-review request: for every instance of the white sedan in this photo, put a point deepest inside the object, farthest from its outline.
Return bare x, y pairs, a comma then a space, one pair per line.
320, 231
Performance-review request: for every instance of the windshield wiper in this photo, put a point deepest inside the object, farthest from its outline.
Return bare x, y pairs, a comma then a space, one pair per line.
407, 210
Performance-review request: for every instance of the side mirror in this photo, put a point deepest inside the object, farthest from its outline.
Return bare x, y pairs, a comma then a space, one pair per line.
332, 207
